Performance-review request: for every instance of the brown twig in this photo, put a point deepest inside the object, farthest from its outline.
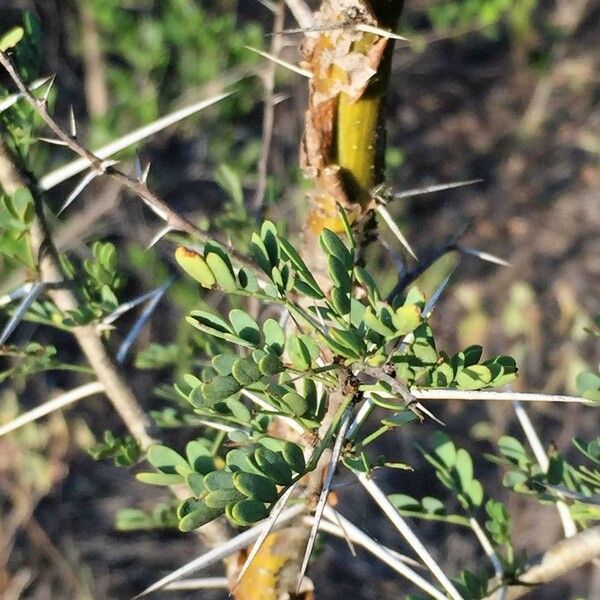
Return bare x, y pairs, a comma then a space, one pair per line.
174, 221
562, 558
268, 78
116, 388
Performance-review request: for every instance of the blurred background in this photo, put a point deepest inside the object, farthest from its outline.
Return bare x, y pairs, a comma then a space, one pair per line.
506, 91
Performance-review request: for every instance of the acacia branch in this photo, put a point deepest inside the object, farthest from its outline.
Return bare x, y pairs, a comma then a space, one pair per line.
115, 386
174, 221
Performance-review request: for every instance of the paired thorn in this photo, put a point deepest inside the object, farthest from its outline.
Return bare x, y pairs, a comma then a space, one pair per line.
146, 314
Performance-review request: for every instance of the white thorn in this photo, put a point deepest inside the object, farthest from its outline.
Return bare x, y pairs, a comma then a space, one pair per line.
55, 404
569, 526
270, 523
407, 533
161, 234
9, 101
59, 175
380, 32
138, 168
395, 230
16, 294
335, 455
87, 179
223, 550
146, 314
35, 290
484, 256
281, 62
204, 583
53, 141
145, 173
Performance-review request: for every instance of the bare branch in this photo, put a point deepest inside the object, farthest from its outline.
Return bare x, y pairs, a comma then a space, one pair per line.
562, 558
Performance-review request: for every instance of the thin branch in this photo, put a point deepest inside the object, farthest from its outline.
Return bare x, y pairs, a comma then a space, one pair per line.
562, 558
116, 387
268, 79
103, 167
301, 12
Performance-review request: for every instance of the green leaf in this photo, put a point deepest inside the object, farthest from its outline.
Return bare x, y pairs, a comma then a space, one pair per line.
273, 465
294, 457
239, 410
433, 506
340, 298
472, 355
473, 377
195, 266
165, 459
239, 459
160, 478
248, 512
274, 335
246, 371
296, 403
218, 480
464, 467
222, 271
255, 487
260, 254
11, 38
339, 273
268, 234
444, 448
245, 326
404, 502
220, 388
201, 515
221, 498
248, 280
298, 353
406, 319
334, 246
223, 363
195, 482
270, 365
229, 180
199, 457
